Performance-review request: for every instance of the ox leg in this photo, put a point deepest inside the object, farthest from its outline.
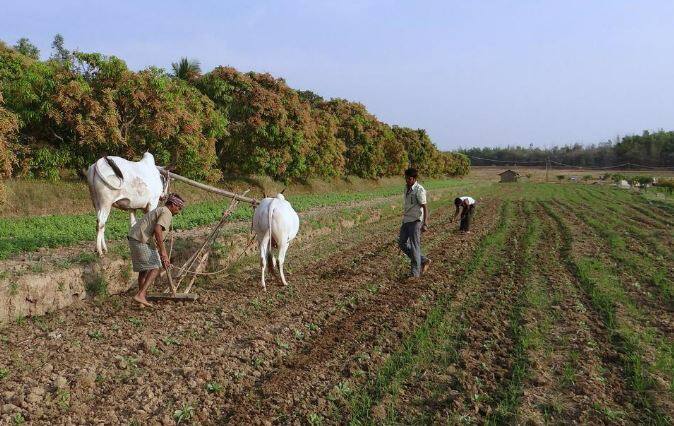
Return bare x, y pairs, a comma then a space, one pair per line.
132, 217
281, 259
101, 219
263, 260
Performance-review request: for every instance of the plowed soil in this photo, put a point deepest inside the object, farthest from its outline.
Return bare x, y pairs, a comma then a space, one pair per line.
515, 334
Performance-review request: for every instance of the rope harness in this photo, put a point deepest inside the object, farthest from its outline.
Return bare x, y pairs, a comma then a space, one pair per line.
195, 264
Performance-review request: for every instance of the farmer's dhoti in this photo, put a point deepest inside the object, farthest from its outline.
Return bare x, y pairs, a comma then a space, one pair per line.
143, 257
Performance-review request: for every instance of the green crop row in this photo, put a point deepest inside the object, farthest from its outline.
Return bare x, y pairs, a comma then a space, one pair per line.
604, 289
440, 329
32, 233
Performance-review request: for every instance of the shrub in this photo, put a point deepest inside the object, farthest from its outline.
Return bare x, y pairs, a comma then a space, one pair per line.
617, 177
3, 194
641, 180
561, 177
46, 163
668, 184
9, 129
97, 286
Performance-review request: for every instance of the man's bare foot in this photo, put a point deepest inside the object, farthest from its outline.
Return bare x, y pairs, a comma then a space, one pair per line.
142, 301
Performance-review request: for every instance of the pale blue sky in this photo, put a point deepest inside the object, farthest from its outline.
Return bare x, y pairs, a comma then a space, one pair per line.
472, 73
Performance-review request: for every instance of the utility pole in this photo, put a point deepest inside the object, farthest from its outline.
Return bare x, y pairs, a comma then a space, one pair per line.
547, 163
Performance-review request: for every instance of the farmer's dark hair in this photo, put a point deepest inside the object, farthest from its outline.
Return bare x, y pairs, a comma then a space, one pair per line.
457, 201
411, 172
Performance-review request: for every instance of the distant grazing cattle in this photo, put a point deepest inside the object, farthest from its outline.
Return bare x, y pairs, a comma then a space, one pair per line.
275, 224
127, 185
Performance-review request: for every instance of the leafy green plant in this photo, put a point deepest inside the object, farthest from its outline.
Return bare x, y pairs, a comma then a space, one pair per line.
617, 177
213, 387
281, 344
63, 399
314, 419
183, 414
668, 184
168, 340
13, 288
95, 334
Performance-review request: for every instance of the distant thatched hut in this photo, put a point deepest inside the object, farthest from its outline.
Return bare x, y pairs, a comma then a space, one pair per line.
509, 176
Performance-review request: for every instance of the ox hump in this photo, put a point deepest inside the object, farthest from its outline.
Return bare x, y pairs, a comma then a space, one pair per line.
149, 158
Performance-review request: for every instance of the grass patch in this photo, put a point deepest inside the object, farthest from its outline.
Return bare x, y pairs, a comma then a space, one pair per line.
31, 233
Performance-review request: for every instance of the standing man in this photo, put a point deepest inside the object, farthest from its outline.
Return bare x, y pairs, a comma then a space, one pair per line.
145, 237
415, 221
467, 206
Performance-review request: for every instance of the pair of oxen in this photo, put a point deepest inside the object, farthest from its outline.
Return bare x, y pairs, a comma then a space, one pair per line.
130, 186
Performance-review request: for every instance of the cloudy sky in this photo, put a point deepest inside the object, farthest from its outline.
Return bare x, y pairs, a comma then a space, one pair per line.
473, 73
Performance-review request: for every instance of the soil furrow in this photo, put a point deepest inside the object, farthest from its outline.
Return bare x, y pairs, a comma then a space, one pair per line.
573, 372
622, 320
305, 380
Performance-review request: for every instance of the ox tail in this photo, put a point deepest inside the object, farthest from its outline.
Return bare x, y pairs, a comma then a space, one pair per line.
114, 167
271, 234
112, 164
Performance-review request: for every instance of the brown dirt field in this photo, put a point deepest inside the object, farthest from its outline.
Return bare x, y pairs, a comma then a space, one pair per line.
298, 354
647, 311
112, 362
658, 310
573, 369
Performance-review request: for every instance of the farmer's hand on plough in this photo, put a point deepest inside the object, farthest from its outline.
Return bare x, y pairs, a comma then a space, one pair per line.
165, 261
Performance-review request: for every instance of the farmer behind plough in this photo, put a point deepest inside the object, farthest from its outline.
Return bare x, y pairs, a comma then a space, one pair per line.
145, 237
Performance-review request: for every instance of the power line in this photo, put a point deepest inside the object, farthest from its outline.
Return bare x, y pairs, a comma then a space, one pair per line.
534, 162
505, 161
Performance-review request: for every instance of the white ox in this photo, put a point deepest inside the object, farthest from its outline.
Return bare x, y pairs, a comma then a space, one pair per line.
275, 223
127, 185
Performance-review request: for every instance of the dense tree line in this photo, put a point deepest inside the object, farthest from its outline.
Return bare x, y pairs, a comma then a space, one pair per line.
648, 149
58, 115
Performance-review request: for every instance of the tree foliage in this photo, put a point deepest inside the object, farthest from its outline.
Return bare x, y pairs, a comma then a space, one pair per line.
9, 130
186, 69
63, 113
647, 149
25, 47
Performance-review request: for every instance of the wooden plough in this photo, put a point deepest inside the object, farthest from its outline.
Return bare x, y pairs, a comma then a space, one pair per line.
179, 286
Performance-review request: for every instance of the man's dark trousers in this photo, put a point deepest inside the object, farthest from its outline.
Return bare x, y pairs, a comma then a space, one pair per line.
410, 243
466, 219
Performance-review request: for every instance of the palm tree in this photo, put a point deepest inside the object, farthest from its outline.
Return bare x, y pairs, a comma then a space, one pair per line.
186, 69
